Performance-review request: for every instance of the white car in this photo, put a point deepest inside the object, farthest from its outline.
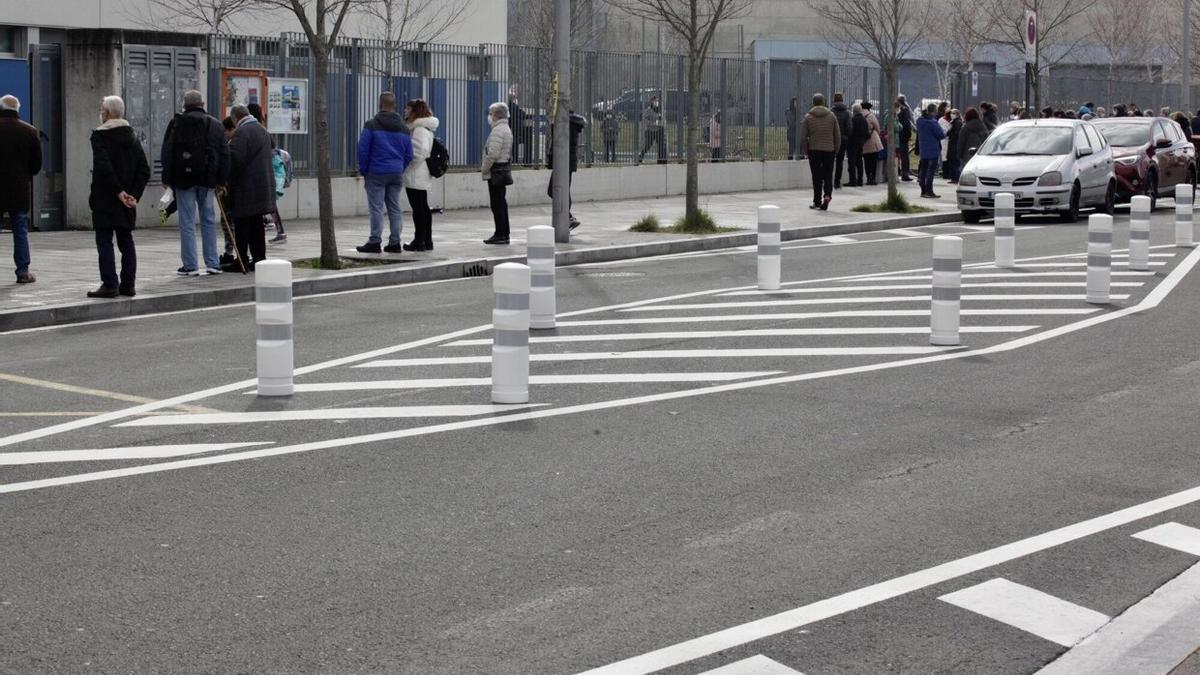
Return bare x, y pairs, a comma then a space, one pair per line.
1049, 165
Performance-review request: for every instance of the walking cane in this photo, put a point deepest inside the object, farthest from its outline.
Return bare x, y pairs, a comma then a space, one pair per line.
237, 254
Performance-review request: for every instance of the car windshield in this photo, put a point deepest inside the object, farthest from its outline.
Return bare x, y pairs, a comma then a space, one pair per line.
1125, 135
1028, 141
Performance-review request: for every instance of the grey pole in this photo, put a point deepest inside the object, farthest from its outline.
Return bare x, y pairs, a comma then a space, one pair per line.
561, 177
1186, 84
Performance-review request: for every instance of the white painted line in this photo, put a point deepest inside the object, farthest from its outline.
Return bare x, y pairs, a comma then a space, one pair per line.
602, 378
143, 452
1030, 610
909, 233
397, 412
916, 287
755, 665
748, 333
1060, 264
782, 316
1150, 638
835, 239
1173, 535
1005, 275
667, 354
1077, 297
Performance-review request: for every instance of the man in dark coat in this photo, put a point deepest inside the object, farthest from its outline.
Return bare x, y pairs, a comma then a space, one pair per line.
119, 176
22, 161
792, 119
578, 124
251, 184
842, 113
904, 118
195, 160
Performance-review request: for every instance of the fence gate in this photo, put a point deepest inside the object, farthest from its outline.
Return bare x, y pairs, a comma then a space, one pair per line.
45, 65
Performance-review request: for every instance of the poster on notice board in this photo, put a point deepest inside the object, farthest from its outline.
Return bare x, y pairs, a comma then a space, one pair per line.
287, 105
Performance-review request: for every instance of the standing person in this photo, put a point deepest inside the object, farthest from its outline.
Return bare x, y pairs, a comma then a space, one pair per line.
792, 115
384, 153
874, 144
860, 131
522, 128
944, 121
577, 124
195, 160
904, 120
654, 131
1196, 123
281, 168
1184, 123
611, 128
820, 137
842, 113
929, 137
119, 176
974, 132
251, 185
22, 161
990, 120
422, 126
953, 166
496, 169
714, 135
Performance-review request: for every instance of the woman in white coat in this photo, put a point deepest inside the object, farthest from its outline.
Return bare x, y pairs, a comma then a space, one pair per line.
422, 125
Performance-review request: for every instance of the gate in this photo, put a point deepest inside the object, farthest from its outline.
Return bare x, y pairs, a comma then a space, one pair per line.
46, 112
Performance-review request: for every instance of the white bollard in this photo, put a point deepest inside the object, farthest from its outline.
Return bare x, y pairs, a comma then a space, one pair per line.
1183, 215
273, 314
769, 242
1099, 259
540, 255
1139, 233
1006, 230
510, 344
947, 289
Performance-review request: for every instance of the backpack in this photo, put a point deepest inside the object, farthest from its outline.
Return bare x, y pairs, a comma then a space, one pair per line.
189, 153
438, 160
285, 157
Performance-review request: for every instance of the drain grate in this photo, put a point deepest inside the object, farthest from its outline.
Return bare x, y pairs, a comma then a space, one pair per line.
477, 269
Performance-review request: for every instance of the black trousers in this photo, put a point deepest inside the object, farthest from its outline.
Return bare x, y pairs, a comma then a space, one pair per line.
108, 263
854, 157
905, 161
498, 200
870, 161
251, 239
820, 162
655, 137
422, 217
610, 150
837, 166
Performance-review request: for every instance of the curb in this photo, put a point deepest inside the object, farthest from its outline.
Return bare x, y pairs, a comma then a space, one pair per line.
55, 315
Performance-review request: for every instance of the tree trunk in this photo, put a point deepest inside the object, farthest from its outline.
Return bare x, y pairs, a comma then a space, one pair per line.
693, 130
329, 250
889, 161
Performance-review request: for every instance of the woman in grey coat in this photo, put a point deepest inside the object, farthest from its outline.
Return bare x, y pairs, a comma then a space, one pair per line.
251, 184
497, 155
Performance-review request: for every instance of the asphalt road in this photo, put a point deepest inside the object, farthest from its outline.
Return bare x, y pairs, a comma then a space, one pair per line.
620, 516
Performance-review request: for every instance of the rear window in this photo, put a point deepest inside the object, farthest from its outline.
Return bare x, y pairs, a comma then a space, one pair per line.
1028, 141
1125, 135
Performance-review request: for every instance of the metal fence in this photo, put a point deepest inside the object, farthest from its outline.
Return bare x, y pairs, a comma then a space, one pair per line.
749, 98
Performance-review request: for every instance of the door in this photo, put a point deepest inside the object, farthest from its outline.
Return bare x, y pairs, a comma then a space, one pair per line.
1102, 156
1085, 166
46, 112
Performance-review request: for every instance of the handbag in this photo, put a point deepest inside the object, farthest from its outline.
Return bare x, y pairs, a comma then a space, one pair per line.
500, 175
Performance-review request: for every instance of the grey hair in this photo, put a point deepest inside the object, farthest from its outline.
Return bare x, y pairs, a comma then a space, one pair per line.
10, 102
856, 108
239, 112
498, 110
114, 106
193, 99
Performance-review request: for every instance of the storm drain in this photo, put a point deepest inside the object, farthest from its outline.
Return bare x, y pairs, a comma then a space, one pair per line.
477, 269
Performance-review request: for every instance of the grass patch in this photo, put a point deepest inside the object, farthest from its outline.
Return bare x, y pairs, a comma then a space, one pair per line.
649, 223
701, 223
348, 263
897, 204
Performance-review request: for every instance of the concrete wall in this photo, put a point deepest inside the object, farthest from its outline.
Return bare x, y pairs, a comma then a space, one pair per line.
91, 70
467, 190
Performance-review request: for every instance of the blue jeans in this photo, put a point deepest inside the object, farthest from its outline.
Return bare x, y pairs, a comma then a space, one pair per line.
928, 169
383, 195
19, 220
188, 200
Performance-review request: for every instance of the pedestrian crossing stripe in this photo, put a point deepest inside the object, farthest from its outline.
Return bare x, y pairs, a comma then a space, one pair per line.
1030, 610
1173, 535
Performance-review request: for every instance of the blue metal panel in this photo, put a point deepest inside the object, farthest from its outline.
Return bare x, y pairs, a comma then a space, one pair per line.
14, 79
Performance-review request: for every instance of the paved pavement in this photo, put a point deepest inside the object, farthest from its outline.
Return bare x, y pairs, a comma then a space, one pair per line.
65, 262
709, 477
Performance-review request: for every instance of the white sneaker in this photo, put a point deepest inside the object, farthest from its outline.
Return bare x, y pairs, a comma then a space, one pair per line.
213, 270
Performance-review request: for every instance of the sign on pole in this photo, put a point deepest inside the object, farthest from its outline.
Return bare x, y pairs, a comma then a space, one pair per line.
1030, 36
974, 83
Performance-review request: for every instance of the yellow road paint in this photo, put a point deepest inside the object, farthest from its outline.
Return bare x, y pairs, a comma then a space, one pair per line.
100, 393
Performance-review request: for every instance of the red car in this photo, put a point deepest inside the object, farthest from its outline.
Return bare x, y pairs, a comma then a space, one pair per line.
1150, 156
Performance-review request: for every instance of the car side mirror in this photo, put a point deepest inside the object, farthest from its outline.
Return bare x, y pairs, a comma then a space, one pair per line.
1083, 152
1162, 143
973, 150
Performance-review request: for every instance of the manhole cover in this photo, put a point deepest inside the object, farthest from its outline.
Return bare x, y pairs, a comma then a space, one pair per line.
610, 274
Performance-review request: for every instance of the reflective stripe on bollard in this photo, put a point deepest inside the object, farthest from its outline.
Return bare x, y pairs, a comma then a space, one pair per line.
510, 343
1099, 258
273, 315
769, 251
1183, 215
1139, 233
947, 289
1006, 230
543, 304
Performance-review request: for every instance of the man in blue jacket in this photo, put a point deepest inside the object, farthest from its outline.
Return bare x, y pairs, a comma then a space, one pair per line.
929, 138
384, 152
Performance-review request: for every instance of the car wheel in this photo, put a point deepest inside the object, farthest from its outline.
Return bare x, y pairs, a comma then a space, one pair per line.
972, 217
1152, 189
1071, 215
1110, 200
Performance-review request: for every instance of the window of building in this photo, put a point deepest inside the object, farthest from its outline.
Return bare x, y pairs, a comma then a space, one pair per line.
8, 40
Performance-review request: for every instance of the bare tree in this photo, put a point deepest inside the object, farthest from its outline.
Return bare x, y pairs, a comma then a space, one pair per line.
409, 21
1058, 23
955, 33
1125, 32
694, 23
210, 16
536, 25
883, 32
322, 21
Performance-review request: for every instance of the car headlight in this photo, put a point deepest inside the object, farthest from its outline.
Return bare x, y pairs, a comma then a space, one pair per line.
1127, 161
1050, 178
967, 179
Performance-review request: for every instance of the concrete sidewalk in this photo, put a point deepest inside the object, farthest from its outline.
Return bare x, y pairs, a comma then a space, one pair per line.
66, 268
